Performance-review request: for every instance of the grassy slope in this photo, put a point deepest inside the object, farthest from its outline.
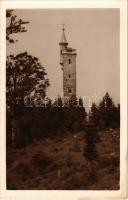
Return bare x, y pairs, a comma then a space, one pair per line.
59, 163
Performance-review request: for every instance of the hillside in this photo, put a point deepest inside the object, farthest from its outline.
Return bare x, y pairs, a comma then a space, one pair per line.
58, 164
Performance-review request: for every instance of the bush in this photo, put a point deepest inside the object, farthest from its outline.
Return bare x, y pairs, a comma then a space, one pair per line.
22, 169
92, 177
42, 162
107, 161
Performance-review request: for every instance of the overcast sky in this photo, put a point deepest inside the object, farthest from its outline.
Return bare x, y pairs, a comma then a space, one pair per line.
94, 33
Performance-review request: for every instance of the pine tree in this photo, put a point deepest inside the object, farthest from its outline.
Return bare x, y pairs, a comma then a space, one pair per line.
73, 102
60, 102
80, 102
91, 139
48, 103
106, 114
94, 114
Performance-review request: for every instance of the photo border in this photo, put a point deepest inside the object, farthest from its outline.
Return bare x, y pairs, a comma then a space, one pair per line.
65, 194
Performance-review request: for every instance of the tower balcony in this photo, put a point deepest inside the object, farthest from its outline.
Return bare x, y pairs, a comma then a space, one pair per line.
69, 51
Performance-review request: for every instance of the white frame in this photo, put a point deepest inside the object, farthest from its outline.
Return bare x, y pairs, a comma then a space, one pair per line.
53, 195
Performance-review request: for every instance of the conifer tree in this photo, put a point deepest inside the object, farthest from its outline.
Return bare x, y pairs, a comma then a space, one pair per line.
80, 102
91, 139
73, 102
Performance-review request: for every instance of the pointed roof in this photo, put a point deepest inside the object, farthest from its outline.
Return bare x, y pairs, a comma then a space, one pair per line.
63, 37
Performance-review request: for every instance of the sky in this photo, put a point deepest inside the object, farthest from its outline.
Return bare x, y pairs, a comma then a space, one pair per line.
94, 33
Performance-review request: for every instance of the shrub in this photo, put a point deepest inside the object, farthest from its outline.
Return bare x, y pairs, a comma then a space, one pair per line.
42, 162
23, 170
107, 161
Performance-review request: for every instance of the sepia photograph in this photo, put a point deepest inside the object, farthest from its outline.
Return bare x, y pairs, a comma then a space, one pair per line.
63, 99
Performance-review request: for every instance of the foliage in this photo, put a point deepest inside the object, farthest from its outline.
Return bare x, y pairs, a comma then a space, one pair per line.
80, 102
14, 25
42, 162
91, 139
73, 102
24, 75
106, 114
46, 121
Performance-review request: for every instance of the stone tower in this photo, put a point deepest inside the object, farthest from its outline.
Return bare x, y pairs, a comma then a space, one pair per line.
68, 63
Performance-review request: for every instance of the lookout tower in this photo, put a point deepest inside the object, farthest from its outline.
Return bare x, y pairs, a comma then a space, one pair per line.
68, 63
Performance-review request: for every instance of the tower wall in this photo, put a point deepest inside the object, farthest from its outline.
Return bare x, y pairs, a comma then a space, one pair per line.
69, 75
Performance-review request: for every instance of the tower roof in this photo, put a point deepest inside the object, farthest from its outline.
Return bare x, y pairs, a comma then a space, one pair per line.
63, 37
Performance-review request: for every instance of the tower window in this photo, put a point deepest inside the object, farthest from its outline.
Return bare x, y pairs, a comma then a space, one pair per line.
69, 90
69, 76
69, 61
